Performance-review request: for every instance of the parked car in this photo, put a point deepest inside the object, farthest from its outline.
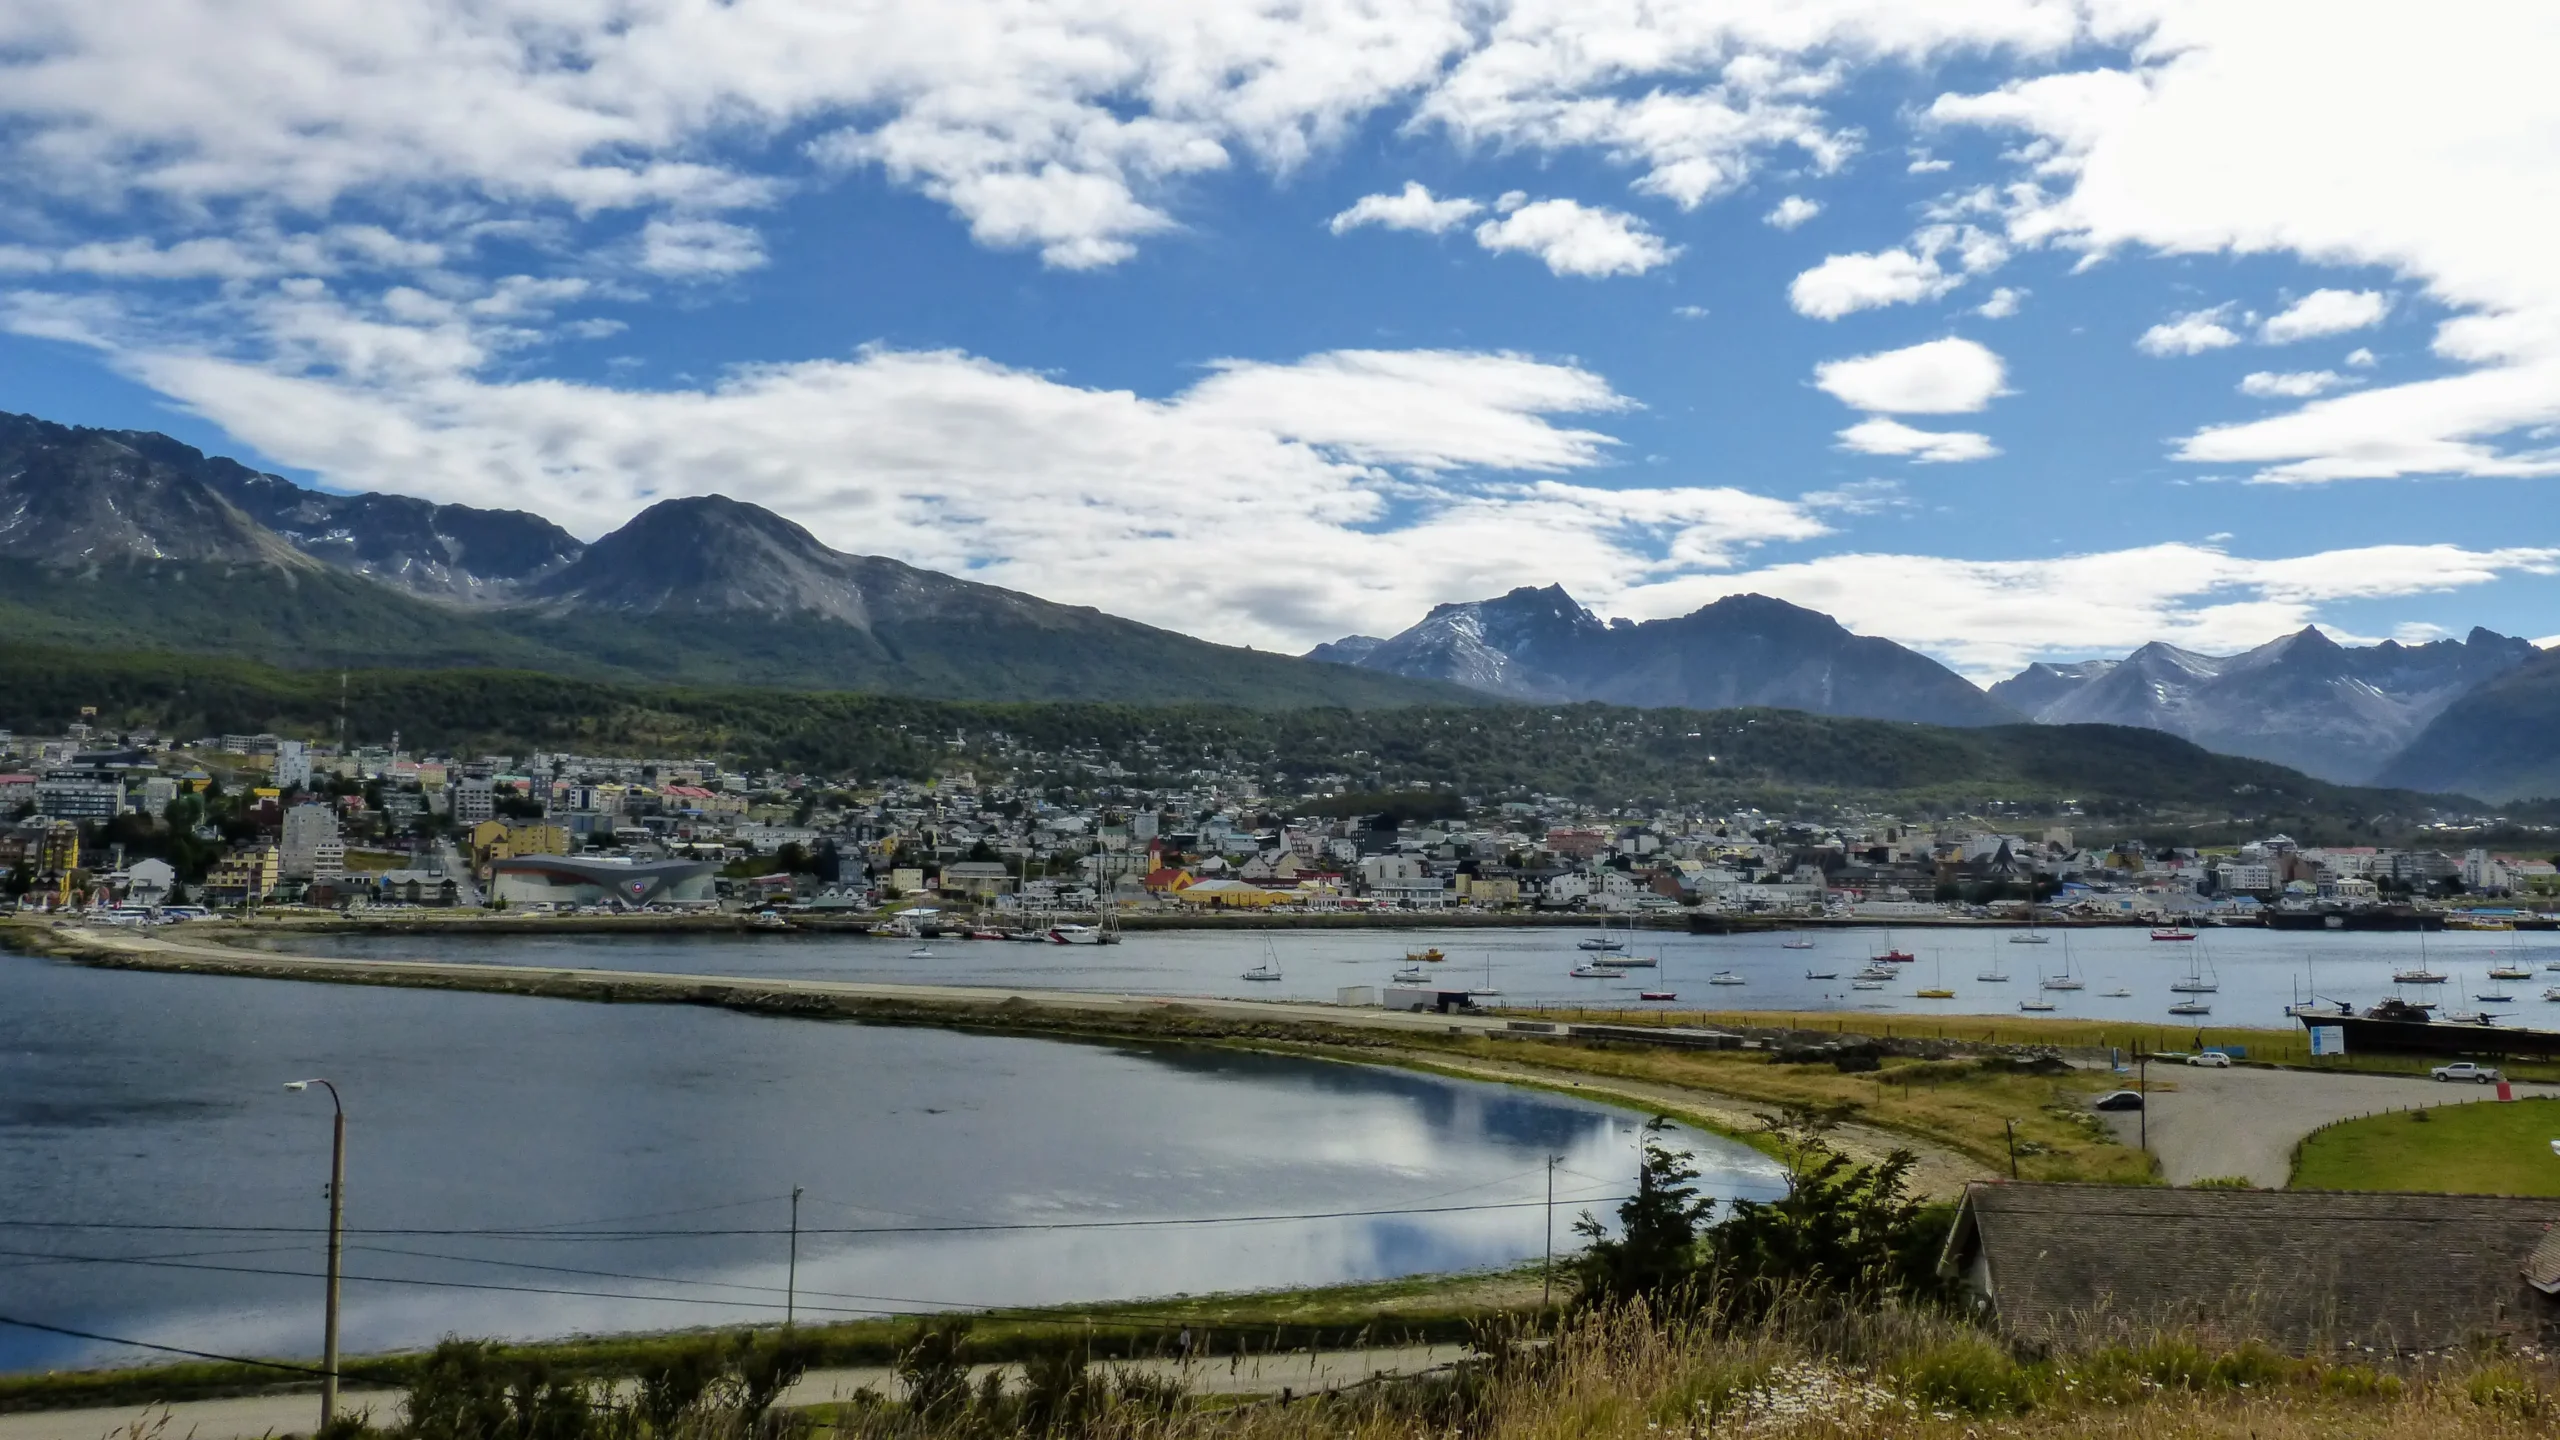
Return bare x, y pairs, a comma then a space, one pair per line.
2465, 1070
2118, 1100
2210, 1059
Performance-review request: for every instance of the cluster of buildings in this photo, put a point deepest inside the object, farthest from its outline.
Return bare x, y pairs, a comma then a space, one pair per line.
288, 820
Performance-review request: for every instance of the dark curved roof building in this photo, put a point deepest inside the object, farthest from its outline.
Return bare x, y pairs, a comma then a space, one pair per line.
564, 880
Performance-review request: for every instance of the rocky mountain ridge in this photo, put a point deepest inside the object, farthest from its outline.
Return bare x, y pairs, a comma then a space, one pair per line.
1541, 645
2303, 700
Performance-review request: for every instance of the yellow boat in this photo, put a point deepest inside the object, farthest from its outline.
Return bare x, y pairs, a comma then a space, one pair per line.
1428, 957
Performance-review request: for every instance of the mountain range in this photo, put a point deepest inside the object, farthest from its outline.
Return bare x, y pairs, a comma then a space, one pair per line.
133, 541
1744, 650
2339, 712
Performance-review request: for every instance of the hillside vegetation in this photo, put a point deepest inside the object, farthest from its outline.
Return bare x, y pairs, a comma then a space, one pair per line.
1771, 758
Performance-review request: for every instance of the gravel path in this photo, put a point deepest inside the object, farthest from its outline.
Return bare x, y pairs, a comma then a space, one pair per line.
280, 1415
2245, 1121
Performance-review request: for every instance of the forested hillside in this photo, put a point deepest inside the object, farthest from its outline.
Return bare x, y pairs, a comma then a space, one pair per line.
1779, 759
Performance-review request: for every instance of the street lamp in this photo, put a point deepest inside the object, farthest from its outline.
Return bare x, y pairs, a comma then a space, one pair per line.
337, 1215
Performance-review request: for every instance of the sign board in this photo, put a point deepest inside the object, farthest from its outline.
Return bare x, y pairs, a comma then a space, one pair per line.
2328, 1040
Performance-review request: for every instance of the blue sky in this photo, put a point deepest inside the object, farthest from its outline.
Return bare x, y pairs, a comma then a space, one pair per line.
1138, 306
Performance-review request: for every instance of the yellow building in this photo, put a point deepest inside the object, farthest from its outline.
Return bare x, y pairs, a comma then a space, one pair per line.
58, 853
1228, 894
242, 876
496, 840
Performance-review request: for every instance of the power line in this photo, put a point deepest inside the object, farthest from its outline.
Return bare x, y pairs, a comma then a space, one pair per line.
509, 1233
147, 1345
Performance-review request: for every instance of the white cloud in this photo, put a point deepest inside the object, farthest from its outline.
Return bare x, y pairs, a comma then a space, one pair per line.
1925, 165
1792, 212
1843, 284
1413, 208
2360, 358
1858, 497
2003, 303
2240, 130
1877, 435
2325, 312
2291, 385
1988, 618
1690, 312
1576, 239
1940, 377
699, 249
1271, 504
2190, 334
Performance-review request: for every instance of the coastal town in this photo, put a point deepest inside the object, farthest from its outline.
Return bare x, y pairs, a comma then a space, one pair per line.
139, 826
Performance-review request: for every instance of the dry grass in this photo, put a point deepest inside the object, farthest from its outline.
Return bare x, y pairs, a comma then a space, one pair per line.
1964, 1105
1624, 1378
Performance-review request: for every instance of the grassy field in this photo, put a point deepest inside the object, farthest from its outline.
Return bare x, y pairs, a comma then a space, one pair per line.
2482, 1149
1966, 1105
1438, 1308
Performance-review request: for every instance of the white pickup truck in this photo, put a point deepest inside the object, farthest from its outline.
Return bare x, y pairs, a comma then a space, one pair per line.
2465, 1070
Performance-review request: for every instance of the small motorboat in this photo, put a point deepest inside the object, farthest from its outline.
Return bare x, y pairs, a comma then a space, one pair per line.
2118, 993
1801, 942
1822, 974
1875, 972
1596, 972
2191, 1007
2173, 932
1894, 957
1413, 975
1263, 972
1866, 984
985, 933
1935, 992
922, 952
2035, 1004
1657, 995
2419, 976
1726, 977
2552, 994
1431, 956
1602, 942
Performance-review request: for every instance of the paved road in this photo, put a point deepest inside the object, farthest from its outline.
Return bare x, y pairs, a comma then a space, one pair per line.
2245, 1121
258, 1416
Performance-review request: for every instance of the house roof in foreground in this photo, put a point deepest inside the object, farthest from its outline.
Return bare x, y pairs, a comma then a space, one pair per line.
2393, 1269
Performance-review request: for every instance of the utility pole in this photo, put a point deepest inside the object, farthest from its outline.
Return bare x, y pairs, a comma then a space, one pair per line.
2012, 1127
791, 1294
337, 1229
1547, 1288
2142, 1084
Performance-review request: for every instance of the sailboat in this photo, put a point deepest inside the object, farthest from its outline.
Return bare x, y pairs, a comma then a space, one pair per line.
1800, 942
2066, 980
2029, 935
1936, 989
1269, 969
2194, 981
1995, 975
1892, 955
1604, 940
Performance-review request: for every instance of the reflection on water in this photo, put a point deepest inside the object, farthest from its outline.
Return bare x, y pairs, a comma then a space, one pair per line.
2259, 971
652, 1150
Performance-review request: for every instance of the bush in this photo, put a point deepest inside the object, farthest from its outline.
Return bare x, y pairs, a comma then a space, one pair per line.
1972, 1374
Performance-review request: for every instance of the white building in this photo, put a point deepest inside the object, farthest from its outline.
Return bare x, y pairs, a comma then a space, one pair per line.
293, 765
312, 848
475, 800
